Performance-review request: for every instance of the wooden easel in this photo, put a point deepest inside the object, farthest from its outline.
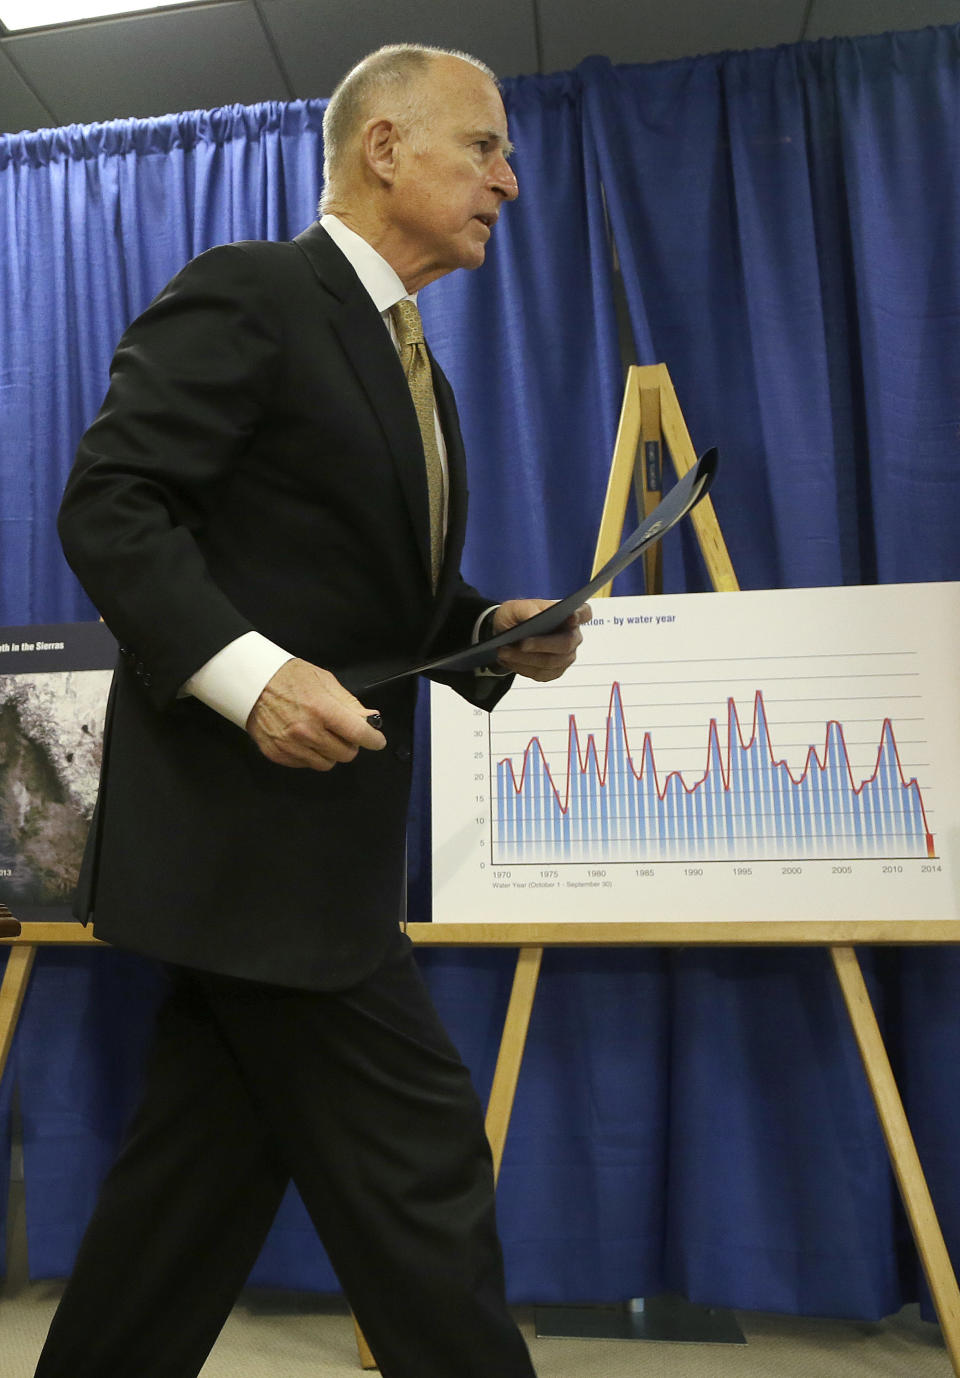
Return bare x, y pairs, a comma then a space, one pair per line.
651, 416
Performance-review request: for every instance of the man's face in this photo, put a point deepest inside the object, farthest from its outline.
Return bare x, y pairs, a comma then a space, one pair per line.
452, 174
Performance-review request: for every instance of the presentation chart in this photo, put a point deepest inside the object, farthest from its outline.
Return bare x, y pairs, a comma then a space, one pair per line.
789, 754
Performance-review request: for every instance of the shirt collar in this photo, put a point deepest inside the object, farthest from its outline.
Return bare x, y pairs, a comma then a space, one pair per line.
380, 280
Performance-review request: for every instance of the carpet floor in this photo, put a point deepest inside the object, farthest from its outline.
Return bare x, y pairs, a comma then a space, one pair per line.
289, 1335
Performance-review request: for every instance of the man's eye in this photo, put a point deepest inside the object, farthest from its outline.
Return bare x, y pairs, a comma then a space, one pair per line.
483, 145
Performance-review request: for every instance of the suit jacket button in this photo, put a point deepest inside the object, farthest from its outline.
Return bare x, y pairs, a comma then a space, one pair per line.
147, 680
139, 670
402, 753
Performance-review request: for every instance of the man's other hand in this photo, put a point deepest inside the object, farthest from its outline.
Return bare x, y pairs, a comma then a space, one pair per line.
539, 657
304, 718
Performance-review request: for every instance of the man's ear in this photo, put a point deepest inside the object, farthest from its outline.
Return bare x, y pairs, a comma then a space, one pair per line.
380, 140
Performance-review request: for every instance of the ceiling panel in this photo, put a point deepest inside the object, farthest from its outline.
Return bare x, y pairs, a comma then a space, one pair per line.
846, 18
19, 107
317, 46
152, 64
650, 31
217, 53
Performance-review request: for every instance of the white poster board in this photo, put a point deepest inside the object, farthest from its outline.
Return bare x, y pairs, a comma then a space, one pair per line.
780, 756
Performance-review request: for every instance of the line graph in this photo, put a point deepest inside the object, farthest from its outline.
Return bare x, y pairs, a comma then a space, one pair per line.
790, 754
747, 803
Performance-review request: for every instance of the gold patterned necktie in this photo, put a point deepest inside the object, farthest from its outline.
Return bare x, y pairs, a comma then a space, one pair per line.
416, 366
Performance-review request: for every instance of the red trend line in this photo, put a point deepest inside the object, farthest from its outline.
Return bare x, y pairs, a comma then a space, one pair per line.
582, 755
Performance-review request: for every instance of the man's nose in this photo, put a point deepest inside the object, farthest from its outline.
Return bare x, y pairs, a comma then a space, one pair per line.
505, 181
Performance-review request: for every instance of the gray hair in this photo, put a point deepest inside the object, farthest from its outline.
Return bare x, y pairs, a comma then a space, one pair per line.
393, 71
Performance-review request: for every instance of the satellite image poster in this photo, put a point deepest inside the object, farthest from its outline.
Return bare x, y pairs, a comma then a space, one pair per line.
54, 682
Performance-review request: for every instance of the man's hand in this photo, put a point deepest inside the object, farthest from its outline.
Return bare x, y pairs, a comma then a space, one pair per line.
304, 718
539, 657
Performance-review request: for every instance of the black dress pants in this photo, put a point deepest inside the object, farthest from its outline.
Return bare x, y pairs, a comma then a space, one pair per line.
359, 1097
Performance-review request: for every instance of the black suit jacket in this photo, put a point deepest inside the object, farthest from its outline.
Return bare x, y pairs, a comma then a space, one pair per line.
257, 464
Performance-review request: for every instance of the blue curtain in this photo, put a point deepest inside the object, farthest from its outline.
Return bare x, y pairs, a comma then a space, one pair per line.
696, 1121
94, 221
784, 223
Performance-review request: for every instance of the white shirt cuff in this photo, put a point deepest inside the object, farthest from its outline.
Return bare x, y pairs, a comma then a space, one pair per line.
475, 634
231, 681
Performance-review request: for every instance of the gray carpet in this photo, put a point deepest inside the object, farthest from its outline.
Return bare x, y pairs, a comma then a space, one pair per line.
286, 1335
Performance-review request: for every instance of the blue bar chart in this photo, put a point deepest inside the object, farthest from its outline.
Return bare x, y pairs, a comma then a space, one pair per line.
612, 803
790, 754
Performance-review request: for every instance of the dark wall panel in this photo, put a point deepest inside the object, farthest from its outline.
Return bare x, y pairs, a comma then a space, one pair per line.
152, 64
318, 44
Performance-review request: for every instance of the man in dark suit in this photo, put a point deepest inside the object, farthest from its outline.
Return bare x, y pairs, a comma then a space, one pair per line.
264, 512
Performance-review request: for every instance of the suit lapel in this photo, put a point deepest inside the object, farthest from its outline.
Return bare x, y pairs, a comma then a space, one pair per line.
371, 352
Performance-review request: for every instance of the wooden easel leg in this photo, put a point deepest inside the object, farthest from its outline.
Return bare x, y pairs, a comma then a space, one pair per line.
14, 987
903, 1153
512, 1044
367, 1360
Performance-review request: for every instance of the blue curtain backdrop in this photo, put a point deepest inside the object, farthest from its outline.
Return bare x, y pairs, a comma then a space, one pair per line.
786, 227
695, 1121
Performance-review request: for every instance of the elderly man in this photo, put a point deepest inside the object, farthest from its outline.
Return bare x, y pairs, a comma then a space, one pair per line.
271, 503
